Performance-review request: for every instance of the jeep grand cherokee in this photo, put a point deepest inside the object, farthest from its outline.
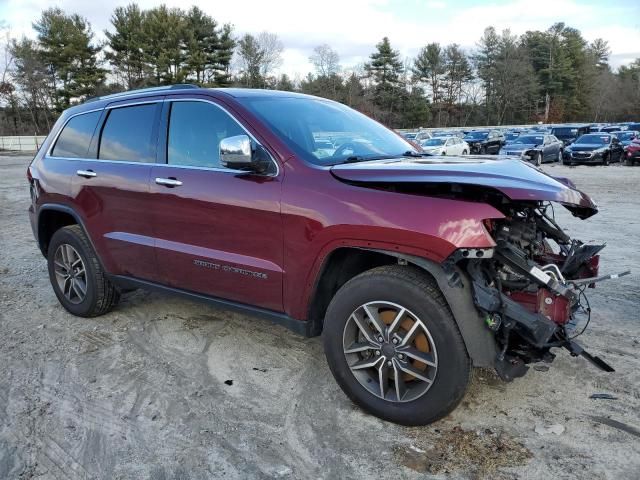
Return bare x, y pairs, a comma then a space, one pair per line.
413, 268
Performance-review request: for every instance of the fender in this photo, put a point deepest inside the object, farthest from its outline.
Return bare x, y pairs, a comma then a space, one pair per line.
479, 340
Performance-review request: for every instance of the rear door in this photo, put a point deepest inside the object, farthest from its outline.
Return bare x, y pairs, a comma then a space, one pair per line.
111, 187
219, 232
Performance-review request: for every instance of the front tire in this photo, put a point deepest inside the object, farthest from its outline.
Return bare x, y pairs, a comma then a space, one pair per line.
605, 160
537, 160
394, 347
76, 274
464, 152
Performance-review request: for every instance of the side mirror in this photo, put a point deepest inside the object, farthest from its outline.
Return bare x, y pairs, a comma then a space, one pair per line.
240, 153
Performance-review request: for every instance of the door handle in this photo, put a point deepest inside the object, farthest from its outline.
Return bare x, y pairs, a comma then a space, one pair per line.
168, 182
86, 173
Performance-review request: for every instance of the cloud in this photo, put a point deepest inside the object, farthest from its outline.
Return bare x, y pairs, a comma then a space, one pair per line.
353, 27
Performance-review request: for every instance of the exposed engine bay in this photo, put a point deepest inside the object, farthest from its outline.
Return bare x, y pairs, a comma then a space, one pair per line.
532, 288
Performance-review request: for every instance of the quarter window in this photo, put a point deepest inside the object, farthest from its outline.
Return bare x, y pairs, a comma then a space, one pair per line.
195, 131
75, 137
128, 134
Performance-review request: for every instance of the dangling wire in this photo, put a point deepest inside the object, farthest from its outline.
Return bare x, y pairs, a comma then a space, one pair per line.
587, 310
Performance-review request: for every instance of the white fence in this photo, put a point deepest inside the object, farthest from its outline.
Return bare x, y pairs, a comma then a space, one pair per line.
29, 143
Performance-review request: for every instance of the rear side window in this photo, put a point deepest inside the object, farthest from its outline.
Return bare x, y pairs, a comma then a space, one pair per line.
195, 131
75, 137
128, 134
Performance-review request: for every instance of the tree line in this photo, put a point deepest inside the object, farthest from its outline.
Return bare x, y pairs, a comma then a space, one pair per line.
551, 76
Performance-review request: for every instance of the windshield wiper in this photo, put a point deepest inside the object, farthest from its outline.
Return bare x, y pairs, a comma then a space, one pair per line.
360, 158
410, 153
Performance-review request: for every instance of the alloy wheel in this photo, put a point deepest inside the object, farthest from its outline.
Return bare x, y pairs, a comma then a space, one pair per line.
390, 351
71, 275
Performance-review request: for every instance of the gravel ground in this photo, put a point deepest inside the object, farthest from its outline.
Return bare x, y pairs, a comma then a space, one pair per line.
163, 388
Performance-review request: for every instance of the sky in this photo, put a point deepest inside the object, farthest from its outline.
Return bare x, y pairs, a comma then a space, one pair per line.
353, 27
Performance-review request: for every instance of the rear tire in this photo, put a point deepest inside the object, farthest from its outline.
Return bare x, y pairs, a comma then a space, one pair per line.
483, 150
76, 274
395, 288
464, 152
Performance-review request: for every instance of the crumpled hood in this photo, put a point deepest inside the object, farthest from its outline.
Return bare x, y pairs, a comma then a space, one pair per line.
517, 180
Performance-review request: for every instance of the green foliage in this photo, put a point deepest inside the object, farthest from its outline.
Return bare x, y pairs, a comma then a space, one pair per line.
65, 47
168, 45
385, 70
552, 75
125, 46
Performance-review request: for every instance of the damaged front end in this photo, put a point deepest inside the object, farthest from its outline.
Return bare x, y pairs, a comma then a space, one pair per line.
531, 288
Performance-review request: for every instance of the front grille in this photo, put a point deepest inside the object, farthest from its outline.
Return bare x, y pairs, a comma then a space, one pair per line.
581, 154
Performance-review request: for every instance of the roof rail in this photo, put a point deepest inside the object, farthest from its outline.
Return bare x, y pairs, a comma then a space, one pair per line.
177, 86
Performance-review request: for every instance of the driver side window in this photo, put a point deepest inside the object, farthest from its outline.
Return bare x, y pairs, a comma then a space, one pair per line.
195, 131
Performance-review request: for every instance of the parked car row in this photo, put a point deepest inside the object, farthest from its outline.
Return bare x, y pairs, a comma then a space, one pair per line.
571, 143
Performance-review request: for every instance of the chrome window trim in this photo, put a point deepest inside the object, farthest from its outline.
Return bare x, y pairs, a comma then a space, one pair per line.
132, 104
189, 167
55, 139
153, 164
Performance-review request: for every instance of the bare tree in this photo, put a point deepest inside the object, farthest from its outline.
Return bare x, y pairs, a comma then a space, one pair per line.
257, 57
325, 60
6, 61
271, 48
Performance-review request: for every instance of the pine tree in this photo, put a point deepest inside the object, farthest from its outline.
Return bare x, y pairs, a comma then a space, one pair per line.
385, 69
220, 71
485, 60
201, 42
164, 49
125, 45
65, 46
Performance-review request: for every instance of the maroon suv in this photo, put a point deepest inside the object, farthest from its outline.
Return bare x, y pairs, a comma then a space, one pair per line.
310, 214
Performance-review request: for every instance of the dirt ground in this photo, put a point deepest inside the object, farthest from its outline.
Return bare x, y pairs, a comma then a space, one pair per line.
164, 388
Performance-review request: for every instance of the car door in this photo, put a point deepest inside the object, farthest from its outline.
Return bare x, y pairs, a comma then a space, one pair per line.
111, 187
616, 149
494, 142
449, 147
557, 148
457, 146
218, 231
546, 148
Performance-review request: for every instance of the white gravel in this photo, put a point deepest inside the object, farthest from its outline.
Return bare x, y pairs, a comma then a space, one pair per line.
141, 392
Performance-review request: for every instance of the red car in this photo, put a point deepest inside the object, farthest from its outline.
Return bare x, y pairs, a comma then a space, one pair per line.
298, 209
632, 153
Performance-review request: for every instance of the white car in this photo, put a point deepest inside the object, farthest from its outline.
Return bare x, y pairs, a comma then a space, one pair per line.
445, 146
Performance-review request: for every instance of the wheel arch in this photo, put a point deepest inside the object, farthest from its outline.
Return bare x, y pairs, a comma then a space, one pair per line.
479, 340
51, 218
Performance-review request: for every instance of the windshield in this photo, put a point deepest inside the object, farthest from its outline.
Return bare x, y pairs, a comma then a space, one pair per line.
433, 142
594, 139
529, 140
477, 135
307, 124
626, 135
